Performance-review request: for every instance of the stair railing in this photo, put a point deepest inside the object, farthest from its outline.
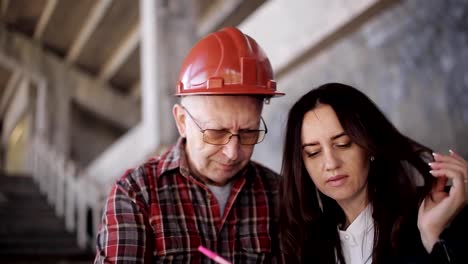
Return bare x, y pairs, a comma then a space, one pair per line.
73, 195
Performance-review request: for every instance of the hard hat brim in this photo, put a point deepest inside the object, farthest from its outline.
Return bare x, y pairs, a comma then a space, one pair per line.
233, 90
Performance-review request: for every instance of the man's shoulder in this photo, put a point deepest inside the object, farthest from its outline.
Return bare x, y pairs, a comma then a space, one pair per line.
147, 173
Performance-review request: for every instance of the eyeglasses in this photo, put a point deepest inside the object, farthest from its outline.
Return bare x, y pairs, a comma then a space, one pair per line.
222, 137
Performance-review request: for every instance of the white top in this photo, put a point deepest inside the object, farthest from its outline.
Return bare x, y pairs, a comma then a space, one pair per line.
358, 239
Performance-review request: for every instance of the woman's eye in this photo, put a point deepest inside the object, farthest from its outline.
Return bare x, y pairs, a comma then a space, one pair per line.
311, 154
344, 145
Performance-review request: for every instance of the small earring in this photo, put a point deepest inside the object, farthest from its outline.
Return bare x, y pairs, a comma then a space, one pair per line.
372, 158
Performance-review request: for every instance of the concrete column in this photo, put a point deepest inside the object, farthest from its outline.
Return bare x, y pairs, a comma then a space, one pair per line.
168, 32
40, 121
150, 34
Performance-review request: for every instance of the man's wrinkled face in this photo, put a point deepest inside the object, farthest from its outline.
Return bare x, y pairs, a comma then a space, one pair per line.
217, 164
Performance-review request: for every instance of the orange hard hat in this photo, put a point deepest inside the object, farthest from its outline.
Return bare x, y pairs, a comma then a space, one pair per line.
227, 62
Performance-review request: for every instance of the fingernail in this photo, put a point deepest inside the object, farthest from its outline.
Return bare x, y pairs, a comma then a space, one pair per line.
430, 163
451, 151
434, 154
431, 172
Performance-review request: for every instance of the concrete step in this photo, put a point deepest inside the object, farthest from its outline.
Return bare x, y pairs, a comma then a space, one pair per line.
30, 232
36, 205
26, 257
33, 227
54, 242
15, 181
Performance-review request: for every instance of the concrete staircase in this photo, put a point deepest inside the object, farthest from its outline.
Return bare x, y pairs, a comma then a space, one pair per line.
30, 232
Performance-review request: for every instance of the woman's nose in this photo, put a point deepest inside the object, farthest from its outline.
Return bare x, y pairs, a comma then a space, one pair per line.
331, 160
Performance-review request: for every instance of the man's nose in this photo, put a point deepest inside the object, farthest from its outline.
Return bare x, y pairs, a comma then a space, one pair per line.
231, 149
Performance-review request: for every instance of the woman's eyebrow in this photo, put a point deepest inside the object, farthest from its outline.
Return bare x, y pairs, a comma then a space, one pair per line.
338, 136
311, 144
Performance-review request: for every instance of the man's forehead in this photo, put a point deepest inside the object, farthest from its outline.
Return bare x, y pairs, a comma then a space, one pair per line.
226, 111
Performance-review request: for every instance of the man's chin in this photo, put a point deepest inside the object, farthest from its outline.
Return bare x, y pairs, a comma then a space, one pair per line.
224, 176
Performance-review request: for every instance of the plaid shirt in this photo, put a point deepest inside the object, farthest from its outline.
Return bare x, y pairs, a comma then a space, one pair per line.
160, 213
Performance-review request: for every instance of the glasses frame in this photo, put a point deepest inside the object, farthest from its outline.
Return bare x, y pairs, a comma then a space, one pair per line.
227, 132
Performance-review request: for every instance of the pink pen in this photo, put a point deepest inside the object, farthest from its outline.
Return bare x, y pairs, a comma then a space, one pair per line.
212, 255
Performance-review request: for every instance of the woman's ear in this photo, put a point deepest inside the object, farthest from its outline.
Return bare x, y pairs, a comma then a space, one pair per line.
179, 118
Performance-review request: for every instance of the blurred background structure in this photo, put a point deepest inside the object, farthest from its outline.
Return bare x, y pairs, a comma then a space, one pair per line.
86, 91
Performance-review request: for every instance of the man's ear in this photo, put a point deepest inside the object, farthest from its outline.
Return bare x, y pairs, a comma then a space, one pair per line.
179, 117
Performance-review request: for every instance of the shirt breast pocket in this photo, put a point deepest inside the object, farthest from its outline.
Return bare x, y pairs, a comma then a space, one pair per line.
254, 249
177, 249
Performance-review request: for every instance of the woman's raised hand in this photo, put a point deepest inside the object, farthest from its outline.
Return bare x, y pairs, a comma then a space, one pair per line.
439, 207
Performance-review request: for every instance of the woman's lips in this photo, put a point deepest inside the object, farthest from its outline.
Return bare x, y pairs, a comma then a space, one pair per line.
337, 180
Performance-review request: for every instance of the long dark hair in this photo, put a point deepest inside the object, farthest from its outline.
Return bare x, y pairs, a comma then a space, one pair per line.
309, 230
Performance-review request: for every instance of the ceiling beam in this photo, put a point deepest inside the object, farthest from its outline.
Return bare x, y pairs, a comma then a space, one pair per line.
226, 13
97, 13
23, 54
44, 19
121, 54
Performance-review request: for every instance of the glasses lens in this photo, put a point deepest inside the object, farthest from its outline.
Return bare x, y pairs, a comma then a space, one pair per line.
222, 137
251, 137
216, 137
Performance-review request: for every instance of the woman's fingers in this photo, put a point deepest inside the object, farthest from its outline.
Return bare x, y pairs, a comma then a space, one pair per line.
465, 163
456, 156
456, 177
453, 164
445, 165
459, 189
451, 159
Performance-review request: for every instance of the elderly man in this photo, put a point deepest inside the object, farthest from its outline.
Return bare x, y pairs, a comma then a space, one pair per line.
205, 190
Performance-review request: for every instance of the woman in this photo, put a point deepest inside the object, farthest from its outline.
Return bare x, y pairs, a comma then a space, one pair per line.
349, 192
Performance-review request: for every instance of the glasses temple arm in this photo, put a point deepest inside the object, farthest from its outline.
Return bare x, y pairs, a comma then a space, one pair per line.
264, 124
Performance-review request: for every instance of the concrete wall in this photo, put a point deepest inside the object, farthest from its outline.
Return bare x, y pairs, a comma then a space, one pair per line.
412, 61
178, 36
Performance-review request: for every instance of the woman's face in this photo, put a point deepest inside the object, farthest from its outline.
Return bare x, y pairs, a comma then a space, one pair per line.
336, 165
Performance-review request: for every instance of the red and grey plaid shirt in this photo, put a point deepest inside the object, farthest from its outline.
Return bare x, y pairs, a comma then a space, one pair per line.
160, 213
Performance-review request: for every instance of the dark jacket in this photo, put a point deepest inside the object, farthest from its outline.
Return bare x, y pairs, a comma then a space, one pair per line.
452, 248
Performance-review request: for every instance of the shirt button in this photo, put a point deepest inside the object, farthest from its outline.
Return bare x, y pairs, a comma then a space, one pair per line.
346, 237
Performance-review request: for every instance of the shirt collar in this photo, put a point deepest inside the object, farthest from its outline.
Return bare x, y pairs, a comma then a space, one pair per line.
174, 158
362, 223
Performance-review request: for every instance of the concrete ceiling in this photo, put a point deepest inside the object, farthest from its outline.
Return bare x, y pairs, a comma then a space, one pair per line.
101, 37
